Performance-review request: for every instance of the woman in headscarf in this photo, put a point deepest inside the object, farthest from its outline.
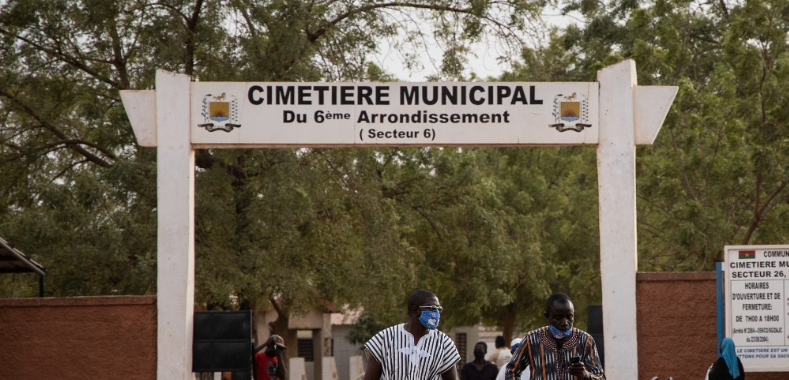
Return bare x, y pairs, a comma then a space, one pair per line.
728, 366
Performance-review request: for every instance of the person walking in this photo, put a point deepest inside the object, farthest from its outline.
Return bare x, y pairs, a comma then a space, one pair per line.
503, 370
728, 366
480, 368
557, 351
501, 355
414, 350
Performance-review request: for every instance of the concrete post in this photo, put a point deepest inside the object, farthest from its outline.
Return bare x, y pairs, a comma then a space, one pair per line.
317, 354
616, 179
175, 266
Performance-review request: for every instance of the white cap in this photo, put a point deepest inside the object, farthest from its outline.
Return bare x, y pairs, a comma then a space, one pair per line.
515, 341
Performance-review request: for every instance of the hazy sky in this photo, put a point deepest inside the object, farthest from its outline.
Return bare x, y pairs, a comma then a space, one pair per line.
484, 64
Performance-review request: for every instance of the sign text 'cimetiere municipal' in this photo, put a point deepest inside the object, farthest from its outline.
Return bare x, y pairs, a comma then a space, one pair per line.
420, 114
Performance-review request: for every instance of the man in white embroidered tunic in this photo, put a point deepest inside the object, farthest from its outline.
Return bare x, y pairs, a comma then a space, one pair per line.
414, 350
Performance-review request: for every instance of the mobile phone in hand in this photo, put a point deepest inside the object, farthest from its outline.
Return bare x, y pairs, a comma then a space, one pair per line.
575, 359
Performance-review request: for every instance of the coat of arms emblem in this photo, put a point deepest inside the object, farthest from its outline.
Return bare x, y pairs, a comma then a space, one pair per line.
570, 109
220, 113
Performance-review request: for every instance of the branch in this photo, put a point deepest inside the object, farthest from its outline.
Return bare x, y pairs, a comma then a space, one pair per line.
312, 37
724, 9
685, 181
768, 205
119, 61
247, 18
335, 170
191, 27
72, 142
71, 166
276, 306
427, 218
57, 53
60, 134
172, 8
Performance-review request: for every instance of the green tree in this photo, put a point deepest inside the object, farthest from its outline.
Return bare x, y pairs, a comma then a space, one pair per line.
294, 227
716, 174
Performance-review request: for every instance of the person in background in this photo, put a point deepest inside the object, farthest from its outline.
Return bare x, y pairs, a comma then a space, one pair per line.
557, 351
728, 366
501, 355
479, 369
502, 371
269, 364
414, 350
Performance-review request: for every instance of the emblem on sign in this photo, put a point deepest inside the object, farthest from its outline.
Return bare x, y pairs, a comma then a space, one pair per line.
570, 113
220, 113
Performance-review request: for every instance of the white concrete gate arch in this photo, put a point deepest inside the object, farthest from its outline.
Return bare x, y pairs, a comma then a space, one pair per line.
622, 115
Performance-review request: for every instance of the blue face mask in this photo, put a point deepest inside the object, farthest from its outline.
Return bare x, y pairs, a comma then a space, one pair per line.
559, 334
429, 319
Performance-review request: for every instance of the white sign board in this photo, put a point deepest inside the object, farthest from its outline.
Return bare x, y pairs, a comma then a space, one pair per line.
757, 306
421, 114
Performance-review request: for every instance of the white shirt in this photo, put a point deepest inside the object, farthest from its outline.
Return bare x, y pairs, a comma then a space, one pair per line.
525, 375
401, 359
500, 357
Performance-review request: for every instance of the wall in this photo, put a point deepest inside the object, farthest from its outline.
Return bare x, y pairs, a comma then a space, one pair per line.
344, 350
78, 338
677, 327
316, 321
115, 337
472, 335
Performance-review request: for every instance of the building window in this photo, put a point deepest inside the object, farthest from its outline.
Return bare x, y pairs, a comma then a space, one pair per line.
460, 343
305, 350
306, 347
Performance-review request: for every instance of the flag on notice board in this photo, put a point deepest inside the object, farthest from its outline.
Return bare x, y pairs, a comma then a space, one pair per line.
747, 254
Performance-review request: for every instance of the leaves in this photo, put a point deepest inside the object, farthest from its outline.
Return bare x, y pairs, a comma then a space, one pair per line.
714, 175
298, 227
493, 231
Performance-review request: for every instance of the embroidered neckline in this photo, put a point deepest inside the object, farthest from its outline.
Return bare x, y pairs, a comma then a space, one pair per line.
550, 342
414, 351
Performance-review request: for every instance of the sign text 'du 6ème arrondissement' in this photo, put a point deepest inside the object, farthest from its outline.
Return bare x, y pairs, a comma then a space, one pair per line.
306, 114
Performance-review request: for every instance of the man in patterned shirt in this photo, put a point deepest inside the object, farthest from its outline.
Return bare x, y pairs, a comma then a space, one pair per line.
414, 350
557, 351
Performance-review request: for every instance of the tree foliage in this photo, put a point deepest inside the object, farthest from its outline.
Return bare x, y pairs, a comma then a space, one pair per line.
716, 174
492, 231
290, 227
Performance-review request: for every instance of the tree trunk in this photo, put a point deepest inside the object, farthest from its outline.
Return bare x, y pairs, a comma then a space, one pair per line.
509, 323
